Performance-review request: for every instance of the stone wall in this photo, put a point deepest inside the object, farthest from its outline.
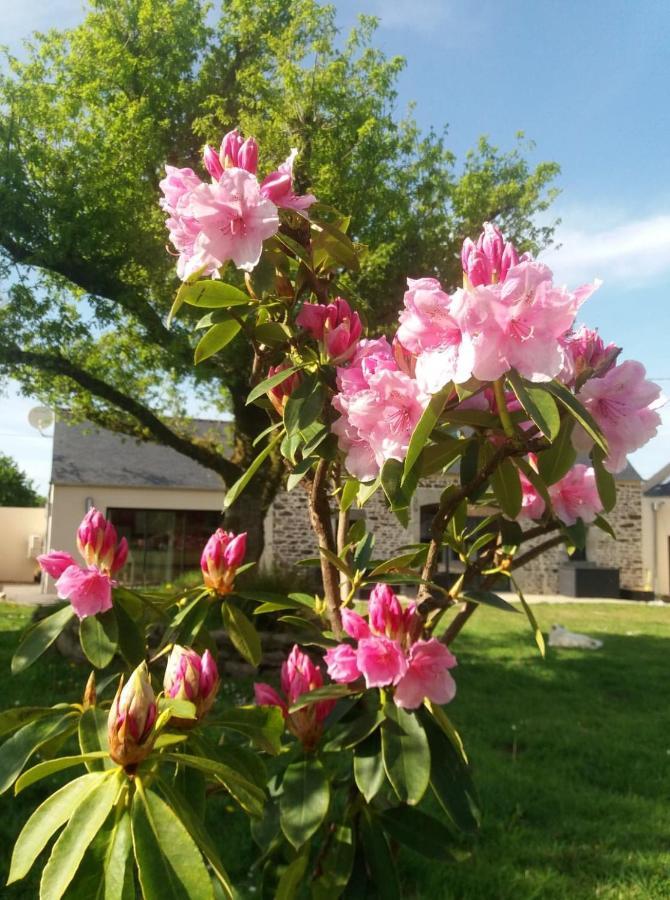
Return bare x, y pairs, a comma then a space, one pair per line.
289, 537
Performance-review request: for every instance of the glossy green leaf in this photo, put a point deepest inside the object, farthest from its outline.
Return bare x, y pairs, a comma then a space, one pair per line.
210, 294
39, 637
248, 795
68, 851
577, 411
420, 832
241, 632
49, 766
488, 598
507, 487
155, 823
45, 821
327, 692
12, 719
537, 633
538, 403
379, 859
261, 389
263, 725
604, 480
304, 800
450, 778
557, 460
424, 427
406, 754
335, 865
215, 339
369, 770
99, 638
234, 492
292, 878
604, 525
349, 493
441, 454
17, 750
131, 638
299, 472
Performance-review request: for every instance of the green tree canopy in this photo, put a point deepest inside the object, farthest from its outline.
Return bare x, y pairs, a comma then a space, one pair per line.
87, 122
16, 489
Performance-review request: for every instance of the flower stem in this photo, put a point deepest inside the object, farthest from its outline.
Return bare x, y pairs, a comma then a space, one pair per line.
503, 412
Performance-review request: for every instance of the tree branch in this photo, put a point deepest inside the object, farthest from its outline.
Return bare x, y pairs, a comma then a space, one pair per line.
319, 512
536, 551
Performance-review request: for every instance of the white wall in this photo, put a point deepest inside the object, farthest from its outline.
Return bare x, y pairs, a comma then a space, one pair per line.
656, 531
17, 524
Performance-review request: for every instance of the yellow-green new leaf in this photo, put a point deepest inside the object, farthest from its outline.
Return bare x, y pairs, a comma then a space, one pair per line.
216, 339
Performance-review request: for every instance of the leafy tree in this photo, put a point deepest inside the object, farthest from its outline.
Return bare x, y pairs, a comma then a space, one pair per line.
16, 489
87, 122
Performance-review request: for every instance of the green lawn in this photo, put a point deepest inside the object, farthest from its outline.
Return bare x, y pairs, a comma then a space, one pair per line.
571, 755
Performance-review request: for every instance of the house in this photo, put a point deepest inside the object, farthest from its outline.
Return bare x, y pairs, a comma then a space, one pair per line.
166, 505
656, 529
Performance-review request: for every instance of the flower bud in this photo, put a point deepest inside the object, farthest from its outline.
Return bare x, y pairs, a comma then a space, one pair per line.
90, 693
247, 157
279, 394
222, 555
55, 563
212, 163
230, 149
489, 260
97, 543
191, 677
131, 719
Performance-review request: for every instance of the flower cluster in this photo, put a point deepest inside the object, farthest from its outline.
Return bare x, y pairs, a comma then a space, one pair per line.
223, 554
299, 675
334, 326
585, 355
229, 218
575, 496
389, 652
89, 589
380, 406
189, 676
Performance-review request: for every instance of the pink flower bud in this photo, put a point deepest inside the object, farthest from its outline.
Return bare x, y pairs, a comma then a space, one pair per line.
342, 663
55, 563
489, 260
467, 250
248, 156
120, 556
265, 695
131, 719
491, 243
279, 394
312, 317
212, 162
386, 613
230, 149
509, 259
222, 555
355, 625
97, 543
335, 326
191, 677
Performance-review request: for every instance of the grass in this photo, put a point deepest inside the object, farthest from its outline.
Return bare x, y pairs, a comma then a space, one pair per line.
571, 756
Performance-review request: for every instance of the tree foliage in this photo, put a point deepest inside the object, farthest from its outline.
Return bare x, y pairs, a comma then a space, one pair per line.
16, 489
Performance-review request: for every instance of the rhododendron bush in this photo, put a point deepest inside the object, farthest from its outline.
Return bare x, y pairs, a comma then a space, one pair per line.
348, 752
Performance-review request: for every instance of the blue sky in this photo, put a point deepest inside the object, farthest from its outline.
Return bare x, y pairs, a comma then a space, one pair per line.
588, 82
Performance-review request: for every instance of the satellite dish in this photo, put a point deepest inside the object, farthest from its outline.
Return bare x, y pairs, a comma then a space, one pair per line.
41, 418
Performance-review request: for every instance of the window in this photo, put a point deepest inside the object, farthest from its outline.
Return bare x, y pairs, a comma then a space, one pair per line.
163, 543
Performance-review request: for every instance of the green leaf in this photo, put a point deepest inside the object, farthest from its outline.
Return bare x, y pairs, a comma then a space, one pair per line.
539, 637
99, 638
575, 408
335, 865
49, 766
199, 834
86, 821
264, 725
304, 800
538, 403
604, 480
291, 878
336, 561
424, 427
488, 598
11, 719
271, 333
398, 492
441, 454
215, 339
557, 460
418, 831
450, 778
369, 767
378, 858
264, 386
299, 472
241, 632
173, 842
45, 822
507, 488
131, 638
332, 247
234, 492
39, 637
209, 294
406, 754
295, 402
349, 493
327, 692
604, 525
248, 795
17, 750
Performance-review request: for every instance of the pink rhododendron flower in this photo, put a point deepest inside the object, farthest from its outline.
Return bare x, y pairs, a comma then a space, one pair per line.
211, 161
234, 219
335, 326
88, 590
532, 502
489, 260
221, 557
55, 563
237, 153
389, 653
623, 403
576, 496
278, 187
379, 406
586, 356
299, 675
97, 543
427, 676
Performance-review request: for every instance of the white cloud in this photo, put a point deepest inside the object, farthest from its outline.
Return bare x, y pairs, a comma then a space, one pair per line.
629, 253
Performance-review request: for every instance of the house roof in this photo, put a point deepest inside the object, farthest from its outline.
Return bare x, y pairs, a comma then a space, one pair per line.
630, 473
659, 484
85, 454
